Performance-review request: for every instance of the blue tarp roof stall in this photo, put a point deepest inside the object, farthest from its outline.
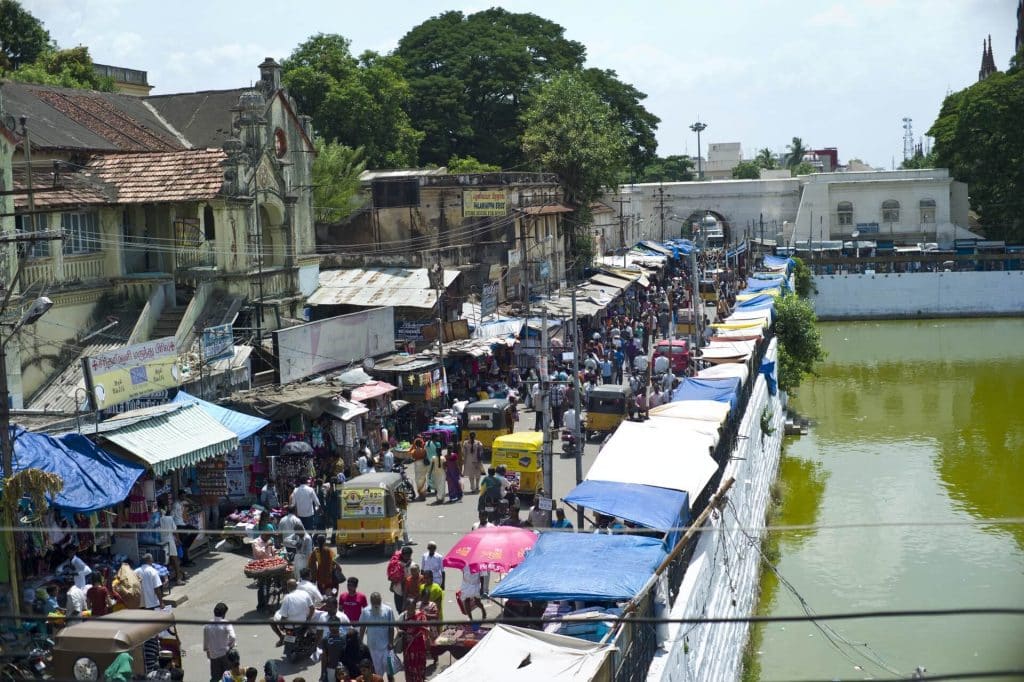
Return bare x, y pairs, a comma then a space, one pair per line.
503, 328
761, 302
242, 425
776, 262
720, 390
754, 285
93, 478
583, 566
655, 248
658, 508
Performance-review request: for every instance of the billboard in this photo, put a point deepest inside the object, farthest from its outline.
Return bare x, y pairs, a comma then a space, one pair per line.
337, 341
483, 203
123, 374
489, 299
218, 342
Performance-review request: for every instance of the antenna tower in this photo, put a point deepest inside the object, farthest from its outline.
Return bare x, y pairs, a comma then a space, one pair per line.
908, 138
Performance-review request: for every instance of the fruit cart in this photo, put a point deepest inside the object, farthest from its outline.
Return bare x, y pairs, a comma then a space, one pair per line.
270, 576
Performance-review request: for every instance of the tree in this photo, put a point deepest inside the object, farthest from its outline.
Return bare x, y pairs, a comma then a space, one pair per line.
799, 340
639, 124
803, 168
336, 172
746, 170
796, 152
72, 68
766, 159
356, 102
22, 37
472, 78
803, 278
571, 132
919, 160
980, 139
459, 166
675, 168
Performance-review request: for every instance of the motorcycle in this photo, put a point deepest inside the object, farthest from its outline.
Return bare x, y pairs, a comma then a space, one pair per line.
299, 642
569, 445
406, 487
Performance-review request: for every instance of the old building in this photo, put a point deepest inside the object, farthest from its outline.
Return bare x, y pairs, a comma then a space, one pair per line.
175, 210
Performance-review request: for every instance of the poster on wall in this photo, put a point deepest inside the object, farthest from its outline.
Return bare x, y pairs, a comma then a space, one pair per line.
363, 503
484, 203
123, 374
315, 347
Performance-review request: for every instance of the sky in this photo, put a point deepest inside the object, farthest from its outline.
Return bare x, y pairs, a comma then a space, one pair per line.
835, 73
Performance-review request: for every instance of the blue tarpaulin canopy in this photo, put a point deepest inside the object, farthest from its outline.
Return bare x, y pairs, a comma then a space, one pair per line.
768, 370
645, 505
93, 478
721, 390
778, 263
760, 302
761, 284
584, 566
242, 425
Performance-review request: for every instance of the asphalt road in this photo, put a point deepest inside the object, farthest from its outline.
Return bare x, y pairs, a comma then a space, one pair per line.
217, 576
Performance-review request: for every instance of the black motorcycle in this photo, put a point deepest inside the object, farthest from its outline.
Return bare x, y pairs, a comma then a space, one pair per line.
300, 642
570, 447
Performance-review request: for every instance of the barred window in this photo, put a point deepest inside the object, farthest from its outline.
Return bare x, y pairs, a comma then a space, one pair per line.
845, 211
890, 211
927, 211
40, 249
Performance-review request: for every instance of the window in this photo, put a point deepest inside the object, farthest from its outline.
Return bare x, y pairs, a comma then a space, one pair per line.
845, 211
890, 211
40, 249
209, 227
81, 232
927, 211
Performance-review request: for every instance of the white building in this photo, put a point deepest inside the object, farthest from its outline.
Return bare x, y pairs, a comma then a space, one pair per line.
722, 158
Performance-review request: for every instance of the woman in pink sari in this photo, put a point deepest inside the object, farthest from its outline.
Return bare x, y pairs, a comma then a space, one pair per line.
453, 473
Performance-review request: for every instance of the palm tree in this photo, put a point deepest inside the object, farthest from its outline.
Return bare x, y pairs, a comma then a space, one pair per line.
765, 159
796, 152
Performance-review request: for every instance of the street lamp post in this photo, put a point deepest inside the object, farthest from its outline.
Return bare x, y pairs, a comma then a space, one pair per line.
698, 128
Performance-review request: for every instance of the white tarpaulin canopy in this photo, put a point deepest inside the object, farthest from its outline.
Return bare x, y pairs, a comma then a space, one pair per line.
510, 654
706, 410
665, 453
740, 315
731, 369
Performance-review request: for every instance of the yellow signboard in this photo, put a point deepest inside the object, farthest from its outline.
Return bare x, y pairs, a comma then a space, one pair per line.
483, 203
362, 503
124, 374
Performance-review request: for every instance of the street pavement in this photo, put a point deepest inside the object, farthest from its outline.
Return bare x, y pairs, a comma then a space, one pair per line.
217, 575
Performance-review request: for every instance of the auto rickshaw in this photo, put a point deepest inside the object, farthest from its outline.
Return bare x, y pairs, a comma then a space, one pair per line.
709, 291
521, 455
607, 406
489, 419
82, 651
684, 322
372, 512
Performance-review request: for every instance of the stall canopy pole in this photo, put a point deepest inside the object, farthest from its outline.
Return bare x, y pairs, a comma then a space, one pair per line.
577, 388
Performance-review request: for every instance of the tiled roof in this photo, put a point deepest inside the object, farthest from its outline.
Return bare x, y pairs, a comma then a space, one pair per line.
77, 189
189, 175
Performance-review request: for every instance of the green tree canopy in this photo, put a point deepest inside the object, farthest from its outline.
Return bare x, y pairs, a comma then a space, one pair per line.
638, 123
675, 168
803, 168
458, 166
746, 170
471, 77
71, 68
571, 132
336, 172
765, 159
799, 340
356, 102
979, 137
795, 152
22, 37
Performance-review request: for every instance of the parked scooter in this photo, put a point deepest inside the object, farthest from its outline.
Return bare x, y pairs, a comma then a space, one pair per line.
569, 445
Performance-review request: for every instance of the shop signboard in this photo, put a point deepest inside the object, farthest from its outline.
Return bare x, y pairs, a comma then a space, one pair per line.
489, 299
130, 372
363, 503
484, 203
319, 346
867, 228
218, 342
411, 330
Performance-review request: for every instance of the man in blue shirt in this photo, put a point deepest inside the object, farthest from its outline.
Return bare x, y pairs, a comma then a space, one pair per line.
560, 521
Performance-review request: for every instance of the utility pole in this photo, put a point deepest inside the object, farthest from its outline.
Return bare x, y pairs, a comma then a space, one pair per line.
437, 279
622, 227
577, 434
661, 209
698, 317
760, 248
545, 393
698, 128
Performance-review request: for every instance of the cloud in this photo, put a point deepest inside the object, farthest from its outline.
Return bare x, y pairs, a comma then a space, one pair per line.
836, 15
123, 44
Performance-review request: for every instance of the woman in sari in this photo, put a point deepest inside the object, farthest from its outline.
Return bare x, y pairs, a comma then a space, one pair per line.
417, 638
453, 474
321, 565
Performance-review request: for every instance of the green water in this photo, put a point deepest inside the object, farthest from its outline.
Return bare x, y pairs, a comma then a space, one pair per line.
913, 422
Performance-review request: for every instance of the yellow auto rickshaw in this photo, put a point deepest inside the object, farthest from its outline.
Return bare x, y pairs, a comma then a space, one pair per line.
607, 406
684, 322
372, 511
488, 419
83, 650
521, 455
709, 291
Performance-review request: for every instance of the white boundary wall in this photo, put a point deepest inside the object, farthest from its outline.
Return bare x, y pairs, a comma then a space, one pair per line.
919, 294
723, 577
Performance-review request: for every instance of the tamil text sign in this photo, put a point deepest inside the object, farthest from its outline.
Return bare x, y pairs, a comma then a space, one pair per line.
218, 342
482, 203
335, 342
489, 299
124, 374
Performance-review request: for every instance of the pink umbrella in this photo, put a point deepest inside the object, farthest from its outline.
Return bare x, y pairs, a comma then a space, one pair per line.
494, 548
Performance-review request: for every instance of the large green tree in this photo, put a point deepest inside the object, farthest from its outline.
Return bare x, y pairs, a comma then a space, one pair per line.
746, 170
795, 153
336, 171
979, 137
625, 100
571, 132
356, 102
799, 340
472, 75
71, 68
22, 37
675, 168
765, 159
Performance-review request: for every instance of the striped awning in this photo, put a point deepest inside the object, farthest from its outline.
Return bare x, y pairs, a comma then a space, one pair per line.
171, 439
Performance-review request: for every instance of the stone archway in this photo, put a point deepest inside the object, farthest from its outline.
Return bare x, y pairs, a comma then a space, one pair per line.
698, 217
272, 216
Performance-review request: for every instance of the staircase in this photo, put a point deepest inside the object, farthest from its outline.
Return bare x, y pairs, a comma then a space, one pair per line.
168, 322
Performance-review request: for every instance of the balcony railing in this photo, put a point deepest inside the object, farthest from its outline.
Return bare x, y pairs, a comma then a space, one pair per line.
83, 268
37, 271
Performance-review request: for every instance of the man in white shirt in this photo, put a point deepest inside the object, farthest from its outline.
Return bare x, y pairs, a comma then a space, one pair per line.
152, 585
363, 463
80, 569
218, 640
380, 634
296, 607
330, 614
387, 458
268, 495
286, 526
168, 541
178, 511
434, 562
76, 602
640, 362
309, 587
569, 420
306, 503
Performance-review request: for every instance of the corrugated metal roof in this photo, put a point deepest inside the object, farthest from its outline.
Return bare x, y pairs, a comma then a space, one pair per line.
610, 281
378, 287
171, 439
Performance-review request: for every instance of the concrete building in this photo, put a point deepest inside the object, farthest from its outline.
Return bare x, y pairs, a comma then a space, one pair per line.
722, 158
177, 211
126, 81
